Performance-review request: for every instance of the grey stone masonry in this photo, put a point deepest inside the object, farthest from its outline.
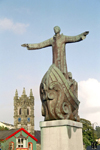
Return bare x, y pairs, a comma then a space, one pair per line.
61, 135
24, 111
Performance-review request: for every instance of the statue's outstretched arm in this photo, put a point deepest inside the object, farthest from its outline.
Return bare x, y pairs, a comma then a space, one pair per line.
71, 39
38, 45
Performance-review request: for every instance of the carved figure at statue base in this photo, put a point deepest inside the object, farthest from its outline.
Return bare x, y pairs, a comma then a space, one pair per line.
58, 91
58, 100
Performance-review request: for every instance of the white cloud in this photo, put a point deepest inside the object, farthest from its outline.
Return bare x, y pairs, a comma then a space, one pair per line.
7, 24
89, 96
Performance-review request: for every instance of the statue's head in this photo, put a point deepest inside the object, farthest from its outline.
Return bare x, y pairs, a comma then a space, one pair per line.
57, 29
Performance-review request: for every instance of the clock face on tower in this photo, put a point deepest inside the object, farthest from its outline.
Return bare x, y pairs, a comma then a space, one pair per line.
28, 119
19, 119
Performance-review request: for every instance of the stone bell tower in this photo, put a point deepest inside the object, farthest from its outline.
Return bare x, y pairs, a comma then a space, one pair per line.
24, 111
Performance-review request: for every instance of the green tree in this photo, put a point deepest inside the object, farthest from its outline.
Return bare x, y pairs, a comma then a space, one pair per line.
88, 132
97, 131
3, 128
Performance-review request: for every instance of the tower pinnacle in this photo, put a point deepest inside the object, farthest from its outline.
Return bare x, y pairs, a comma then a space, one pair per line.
31, 93
24, 93
16, 93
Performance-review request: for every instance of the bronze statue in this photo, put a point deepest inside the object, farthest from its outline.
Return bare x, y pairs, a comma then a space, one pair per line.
58, 91
58, 42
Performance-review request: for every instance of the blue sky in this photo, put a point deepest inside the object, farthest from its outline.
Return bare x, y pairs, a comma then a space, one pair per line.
32, 21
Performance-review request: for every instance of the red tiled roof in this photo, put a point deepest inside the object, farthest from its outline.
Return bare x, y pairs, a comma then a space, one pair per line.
16, 131
22, 129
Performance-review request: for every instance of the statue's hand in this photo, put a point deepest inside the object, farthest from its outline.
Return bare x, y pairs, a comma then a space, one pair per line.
25, 45
84, 35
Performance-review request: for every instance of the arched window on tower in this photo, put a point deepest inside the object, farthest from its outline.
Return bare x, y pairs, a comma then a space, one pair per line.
19, 111
27, 111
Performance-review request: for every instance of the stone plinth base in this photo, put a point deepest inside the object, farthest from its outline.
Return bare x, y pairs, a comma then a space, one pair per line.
61, 135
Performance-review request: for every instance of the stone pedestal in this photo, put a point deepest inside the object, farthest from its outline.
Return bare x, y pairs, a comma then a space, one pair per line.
61, 135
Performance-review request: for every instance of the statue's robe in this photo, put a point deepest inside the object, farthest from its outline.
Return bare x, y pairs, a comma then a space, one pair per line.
58, 49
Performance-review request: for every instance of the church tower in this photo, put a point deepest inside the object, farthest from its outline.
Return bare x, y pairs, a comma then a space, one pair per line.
24, 111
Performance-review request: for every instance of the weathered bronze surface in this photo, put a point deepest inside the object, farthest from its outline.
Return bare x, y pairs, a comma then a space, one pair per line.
58, 42
58, 91
59, 100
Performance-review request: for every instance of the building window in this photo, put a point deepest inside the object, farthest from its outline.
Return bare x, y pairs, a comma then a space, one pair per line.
19, 111
27, 111
30, 146
20, 142
11, 146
